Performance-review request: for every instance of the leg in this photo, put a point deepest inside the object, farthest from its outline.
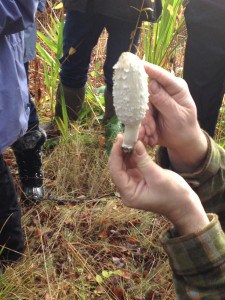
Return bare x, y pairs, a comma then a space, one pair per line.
33, 122
11, 234
119, 41
81, 32
27, 151
28, 156
204, 66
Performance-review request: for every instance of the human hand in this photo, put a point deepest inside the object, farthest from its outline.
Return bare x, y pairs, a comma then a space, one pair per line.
145, 185
172, 120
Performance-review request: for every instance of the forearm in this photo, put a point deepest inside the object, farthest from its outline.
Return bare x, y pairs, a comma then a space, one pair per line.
190, 157
198, 265
188, 215
208, 180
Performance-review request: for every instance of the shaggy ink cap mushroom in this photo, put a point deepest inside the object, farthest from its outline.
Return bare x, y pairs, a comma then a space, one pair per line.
130, 96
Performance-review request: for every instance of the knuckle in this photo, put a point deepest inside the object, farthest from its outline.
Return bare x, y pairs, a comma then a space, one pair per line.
144, 162
182, 83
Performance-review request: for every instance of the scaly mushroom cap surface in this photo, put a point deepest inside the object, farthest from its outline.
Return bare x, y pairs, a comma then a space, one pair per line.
130, 90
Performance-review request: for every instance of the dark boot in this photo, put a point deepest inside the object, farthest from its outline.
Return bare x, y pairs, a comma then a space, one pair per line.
109, 107
74, 99
112, 125
28, 156
11, 234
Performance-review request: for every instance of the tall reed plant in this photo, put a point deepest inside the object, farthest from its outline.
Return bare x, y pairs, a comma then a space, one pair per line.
49, 49
161, 39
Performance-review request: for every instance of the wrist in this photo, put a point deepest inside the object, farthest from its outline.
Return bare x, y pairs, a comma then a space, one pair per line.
191, 217
189, 157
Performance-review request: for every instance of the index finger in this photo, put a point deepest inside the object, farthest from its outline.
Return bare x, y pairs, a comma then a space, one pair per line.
167, 80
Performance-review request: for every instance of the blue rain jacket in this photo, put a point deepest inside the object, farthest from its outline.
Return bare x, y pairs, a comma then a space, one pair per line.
30, 36
15, 16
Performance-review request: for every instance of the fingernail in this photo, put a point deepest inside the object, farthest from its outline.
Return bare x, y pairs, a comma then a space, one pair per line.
154, 87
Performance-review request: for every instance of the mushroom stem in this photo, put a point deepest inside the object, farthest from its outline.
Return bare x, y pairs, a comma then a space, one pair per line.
130, 136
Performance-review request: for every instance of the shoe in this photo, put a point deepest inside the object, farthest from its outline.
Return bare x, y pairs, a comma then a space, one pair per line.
51, 130
73, 99
28, 156
112, 128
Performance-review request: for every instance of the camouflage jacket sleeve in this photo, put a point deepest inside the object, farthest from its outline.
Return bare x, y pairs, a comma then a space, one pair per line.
197, 261
209, 181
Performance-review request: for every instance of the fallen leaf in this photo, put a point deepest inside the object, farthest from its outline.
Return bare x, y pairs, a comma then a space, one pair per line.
59, 6
102, 142
72, 51
125, 274
118, 292
103, 235
47, 297
99, 279
132, 240
106, 274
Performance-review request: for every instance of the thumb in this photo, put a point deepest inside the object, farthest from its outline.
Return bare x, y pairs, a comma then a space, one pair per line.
143, 161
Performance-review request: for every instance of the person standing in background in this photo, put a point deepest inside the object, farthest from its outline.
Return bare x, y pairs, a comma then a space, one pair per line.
85, 21
204, 63
27, 149
15, 16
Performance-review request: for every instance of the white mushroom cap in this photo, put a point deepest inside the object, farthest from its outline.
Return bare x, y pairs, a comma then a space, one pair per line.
130, 96
130, 90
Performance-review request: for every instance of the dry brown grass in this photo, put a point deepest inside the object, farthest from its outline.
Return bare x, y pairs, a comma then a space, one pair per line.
82, 229
78, 167
69, 245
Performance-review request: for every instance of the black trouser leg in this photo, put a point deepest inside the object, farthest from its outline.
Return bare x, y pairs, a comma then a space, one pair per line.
11, 234
204, 65
205, 77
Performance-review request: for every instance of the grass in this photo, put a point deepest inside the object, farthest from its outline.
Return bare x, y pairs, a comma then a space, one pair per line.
81, 235
81, 242
69, 245
81, 166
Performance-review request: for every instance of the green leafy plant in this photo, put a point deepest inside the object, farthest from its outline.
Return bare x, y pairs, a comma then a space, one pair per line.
49, 49
93, 105
63, 124
160, 40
